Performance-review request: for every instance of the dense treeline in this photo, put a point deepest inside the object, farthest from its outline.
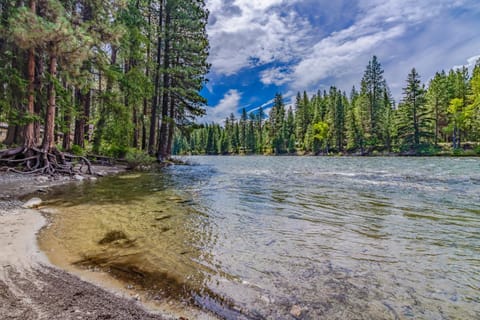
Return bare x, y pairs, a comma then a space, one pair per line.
446, 112
103, 76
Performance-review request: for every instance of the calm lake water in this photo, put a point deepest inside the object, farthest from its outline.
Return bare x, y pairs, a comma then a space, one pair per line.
254, 237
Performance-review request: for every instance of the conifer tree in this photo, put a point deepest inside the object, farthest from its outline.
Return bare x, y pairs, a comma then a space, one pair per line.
414, 120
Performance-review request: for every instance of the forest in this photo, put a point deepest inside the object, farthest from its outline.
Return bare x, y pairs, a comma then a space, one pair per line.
441, 117
121, 78
113, 78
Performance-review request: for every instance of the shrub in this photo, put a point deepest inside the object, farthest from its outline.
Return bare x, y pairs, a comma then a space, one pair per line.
77, 150
477, 150
138, 160
428, 149
458, 152
116, 152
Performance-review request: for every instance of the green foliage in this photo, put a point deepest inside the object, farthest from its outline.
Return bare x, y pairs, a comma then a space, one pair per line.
477, 150
414, 124
115, 63
77, 150
137, 159
427, 149
114, 151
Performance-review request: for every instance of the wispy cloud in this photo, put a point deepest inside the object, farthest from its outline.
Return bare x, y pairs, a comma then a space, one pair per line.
264, 106
470, 63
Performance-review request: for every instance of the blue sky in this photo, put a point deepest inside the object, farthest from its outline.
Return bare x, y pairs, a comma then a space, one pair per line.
260, 47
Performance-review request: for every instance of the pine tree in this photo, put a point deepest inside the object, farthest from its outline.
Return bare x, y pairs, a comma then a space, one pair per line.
372, 90
414, 121
437, 98
243, 129
277, 129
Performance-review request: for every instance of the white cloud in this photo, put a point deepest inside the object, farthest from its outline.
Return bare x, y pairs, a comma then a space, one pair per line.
246, 33
333, 56
277, 76
228, 105
470, 63
306, 47
380, 27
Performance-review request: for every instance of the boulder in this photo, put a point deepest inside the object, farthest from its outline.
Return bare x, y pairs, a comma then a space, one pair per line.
296, 311
32, 203
78, 177
42, 179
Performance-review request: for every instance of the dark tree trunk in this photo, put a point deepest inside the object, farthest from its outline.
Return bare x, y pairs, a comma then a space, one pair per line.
79, 134
39, 89
29, 129
147, 75
171, 128
48, 134
156, 93
86, 116
14, 135
136, 131
67, 119
163, 134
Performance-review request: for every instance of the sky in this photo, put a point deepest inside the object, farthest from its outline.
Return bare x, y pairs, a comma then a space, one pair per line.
261, 47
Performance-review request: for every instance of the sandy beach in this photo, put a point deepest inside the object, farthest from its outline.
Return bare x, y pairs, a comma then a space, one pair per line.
31, 287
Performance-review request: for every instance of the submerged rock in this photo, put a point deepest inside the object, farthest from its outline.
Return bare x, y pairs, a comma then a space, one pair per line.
163, 217
32, 203
113, 236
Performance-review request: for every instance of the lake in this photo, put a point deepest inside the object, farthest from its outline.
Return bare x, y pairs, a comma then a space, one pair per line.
276, 237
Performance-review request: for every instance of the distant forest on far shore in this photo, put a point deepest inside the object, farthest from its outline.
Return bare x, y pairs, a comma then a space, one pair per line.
442, 117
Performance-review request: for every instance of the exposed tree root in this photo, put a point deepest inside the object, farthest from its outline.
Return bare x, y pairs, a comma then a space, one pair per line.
35, 161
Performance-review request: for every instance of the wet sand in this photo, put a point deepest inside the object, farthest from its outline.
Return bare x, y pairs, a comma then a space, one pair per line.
32, 288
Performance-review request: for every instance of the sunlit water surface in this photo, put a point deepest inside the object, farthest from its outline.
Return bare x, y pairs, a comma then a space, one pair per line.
269, 237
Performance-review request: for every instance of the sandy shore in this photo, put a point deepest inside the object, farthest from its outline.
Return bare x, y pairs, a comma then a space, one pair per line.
30, 286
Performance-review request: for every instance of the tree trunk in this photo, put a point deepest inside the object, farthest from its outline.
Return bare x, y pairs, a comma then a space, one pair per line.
86, 116
39, 89
171, 128
136, 131
156, 93
29, 130
163, 134
79, 135
147, 76
67, 119
48, 134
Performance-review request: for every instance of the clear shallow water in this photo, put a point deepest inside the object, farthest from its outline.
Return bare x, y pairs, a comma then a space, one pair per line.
250, 237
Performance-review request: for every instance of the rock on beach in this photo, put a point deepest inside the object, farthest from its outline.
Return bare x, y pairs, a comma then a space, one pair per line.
32, 203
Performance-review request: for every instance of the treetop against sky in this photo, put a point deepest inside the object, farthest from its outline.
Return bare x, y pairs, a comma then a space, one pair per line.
262, 47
